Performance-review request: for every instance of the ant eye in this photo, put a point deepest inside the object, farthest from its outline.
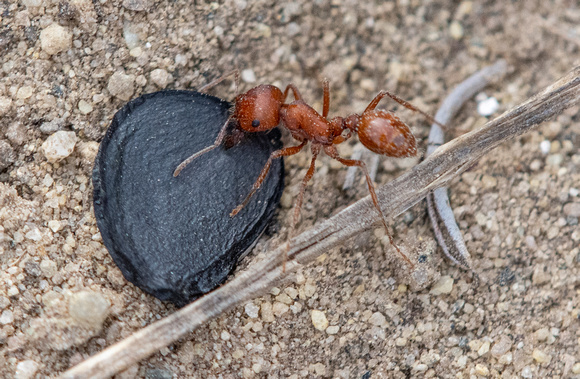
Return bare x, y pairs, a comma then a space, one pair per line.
256, 123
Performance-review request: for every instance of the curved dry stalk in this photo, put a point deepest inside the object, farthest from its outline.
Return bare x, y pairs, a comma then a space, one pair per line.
438, 206
395, 197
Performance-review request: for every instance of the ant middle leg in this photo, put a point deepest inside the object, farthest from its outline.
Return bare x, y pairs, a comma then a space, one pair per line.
276, 154
373, 104
333, 153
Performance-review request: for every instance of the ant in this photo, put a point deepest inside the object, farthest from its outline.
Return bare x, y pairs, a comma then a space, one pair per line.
264, 107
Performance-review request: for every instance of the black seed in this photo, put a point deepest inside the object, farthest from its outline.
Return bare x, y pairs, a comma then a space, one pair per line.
255, 123
173, 237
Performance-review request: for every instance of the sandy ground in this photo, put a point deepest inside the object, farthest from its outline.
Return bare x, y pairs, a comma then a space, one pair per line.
62, 299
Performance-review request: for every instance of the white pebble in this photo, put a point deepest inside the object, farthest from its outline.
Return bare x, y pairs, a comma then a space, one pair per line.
444, 285
225, 335
26, 369
121, 85
488, 106
7, 317
89, 309
55, 38
333, 329
545, 146
481, 370
319, 320
249, 76
252, 310
378, 319
160, 77
5, 103
85, 107
59, 145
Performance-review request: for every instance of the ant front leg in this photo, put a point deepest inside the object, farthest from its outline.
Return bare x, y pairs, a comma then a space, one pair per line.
333, 153
326, 98
295, 92
218, 141
276, 154
373, 104
213, 83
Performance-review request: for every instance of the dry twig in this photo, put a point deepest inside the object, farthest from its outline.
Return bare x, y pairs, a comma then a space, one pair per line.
396, 196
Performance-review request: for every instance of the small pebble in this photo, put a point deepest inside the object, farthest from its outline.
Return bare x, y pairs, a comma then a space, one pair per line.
506, 359
89, 309
541, 357
225, 335
279, 308
400, 341
576, 368
443, 286
136, 5
545, 147
7, 155
542, 334
421, 367
85, 107
488, 106
24, 92
55, 38
319, 320
266, 312
26, 369
456, 30
121, 85
378, 319
5, 104
252, 310
7, 317
160, 77
527, 372
484, 349
481, 370
501, 346
59, 145
249, 76
333, 329
572, 209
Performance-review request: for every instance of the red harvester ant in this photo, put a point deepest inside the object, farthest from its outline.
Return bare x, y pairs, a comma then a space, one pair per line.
263, 108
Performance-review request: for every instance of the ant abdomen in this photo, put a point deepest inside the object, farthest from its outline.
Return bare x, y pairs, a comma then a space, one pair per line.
384, 133
258, 110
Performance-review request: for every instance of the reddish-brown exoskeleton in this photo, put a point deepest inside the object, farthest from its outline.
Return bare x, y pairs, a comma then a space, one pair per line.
263, 108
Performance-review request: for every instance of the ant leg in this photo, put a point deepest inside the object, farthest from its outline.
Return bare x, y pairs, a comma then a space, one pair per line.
307, 177
326, 103
333, 153
404, 103
276, 154
295, 91
217, 81
298, 204
218, 141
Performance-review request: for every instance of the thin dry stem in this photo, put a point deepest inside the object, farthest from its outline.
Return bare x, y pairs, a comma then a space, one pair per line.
443, 165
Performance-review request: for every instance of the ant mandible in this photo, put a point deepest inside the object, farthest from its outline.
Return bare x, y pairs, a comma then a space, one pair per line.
263, 108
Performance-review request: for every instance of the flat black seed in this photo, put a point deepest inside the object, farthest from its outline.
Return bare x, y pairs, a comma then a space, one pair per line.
173, 237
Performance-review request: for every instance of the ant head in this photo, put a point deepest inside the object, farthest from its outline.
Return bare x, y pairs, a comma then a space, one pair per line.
258, 109
384, 133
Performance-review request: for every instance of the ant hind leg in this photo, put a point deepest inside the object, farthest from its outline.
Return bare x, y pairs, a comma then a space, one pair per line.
333, 153
373, 104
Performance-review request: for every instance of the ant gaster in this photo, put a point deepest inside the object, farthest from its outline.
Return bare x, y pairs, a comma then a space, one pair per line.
263, 108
